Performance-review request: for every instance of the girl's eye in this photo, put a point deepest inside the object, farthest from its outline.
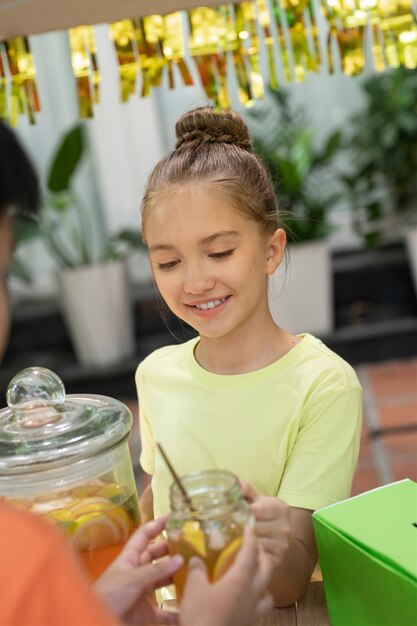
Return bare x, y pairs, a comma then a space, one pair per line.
167, 266
222, 255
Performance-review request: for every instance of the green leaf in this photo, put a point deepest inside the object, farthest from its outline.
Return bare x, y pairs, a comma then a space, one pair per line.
332, 145
131, 237
123, 243
59, 202
289, 176
66, 160
25, 228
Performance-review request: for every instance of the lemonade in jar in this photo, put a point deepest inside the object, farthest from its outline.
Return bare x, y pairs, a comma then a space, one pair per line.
213, 530
67, 459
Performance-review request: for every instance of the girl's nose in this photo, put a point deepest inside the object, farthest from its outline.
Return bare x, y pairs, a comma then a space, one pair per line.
197, 281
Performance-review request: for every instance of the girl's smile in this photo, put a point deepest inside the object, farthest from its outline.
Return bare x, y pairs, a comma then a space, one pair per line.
208, 308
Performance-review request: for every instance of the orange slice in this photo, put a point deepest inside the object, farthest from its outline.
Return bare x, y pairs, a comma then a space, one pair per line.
194, 535
95, 531
226, 558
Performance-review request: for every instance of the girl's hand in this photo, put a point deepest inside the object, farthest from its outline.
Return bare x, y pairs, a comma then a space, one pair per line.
272, 517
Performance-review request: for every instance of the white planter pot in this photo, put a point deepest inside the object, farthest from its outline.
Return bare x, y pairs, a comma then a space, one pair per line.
301, 291
411, 245
96, 306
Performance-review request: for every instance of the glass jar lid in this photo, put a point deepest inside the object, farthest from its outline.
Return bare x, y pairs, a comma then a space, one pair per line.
43, 427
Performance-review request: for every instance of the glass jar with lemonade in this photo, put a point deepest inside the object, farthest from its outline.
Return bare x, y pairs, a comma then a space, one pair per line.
66, 458
213, 529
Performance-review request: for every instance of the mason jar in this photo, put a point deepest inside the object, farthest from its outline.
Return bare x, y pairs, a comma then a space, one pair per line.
66, 458
213, 529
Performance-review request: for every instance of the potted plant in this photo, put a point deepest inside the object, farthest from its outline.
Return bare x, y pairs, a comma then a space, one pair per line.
305, 186
92, 275
382, 147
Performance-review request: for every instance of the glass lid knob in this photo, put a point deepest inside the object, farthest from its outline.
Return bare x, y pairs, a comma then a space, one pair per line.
36, 394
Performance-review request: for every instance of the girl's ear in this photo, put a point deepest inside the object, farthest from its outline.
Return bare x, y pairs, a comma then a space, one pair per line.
275, 250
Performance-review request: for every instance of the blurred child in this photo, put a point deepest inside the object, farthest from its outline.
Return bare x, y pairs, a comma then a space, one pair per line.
19, 192
281, 411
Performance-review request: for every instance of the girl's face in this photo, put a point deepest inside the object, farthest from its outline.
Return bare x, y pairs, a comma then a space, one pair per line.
210, 262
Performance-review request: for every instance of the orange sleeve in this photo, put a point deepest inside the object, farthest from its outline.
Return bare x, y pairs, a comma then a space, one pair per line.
40, 581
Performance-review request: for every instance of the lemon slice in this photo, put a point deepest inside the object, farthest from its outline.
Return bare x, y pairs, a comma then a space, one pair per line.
112, 491
123, 521
51, 505
85, 491
95, 531
193, 534
62, 518
90, 505
226, 558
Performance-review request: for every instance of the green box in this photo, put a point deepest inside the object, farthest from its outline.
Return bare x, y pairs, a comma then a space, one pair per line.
368, 555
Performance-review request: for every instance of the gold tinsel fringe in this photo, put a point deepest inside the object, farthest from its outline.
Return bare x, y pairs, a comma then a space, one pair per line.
208, 41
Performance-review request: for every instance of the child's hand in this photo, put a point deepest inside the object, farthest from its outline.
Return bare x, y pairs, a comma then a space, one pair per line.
272, 517
128, 583
238, 597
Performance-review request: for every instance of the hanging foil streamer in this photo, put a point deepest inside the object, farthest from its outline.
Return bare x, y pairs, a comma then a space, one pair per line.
173, 49
300, 50
160, 43
123, 36
212, 35
282, 41
84, 66
247, 32
23, 92
269, 40
150, 54
95, 76
347, 22
398, 28
216, 34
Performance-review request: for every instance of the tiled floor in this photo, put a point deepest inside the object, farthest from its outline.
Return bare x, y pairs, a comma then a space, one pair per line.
389, 435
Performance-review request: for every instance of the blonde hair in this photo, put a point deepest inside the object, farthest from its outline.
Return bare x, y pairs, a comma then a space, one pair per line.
214, 147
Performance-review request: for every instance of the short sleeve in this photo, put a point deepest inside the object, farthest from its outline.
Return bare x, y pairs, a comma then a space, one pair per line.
78, 608
41, 582
321, 465
147, 456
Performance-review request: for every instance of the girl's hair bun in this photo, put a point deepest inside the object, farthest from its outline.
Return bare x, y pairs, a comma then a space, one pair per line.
206, 125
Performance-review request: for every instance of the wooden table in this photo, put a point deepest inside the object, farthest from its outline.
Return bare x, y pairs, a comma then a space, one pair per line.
310, 611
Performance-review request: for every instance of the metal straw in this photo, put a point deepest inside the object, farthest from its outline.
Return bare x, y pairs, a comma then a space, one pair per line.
176, 478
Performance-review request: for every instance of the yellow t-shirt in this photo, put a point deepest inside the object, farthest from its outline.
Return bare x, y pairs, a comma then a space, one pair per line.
290, 429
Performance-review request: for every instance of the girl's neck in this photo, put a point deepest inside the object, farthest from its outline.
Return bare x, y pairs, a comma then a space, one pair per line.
241, 353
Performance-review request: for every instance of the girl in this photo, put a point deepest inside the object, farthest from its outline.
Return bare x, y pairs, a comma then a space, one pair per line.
281, 411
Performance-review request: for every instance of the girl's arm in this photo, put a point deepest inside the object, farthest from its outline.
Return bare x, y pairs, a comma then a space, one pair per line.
287, 535
292, 575
146, 501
